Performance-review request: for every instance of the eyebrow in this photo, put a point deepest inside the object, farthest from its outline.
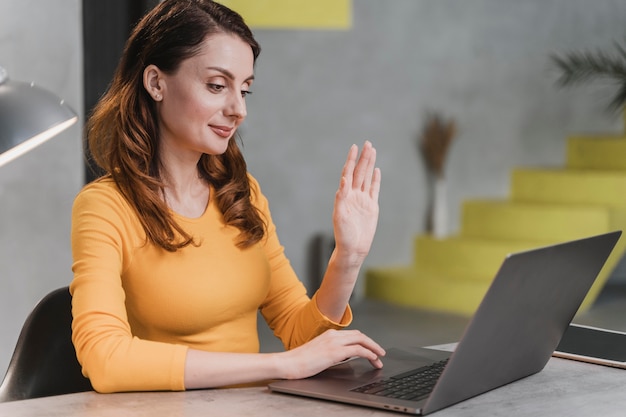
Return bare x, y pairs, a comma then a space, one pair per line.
228, 73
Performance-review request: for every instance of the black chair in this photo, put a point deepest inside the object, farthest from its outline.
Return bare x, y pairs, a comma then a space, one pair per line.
44, 360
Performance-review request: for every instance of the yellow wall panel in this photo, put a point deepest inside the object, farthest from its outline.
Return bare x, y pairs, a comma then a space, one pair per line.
294, 14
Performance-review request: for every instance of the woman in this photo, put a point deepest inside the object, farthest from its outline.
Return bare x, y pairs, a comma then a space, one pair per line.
174, 248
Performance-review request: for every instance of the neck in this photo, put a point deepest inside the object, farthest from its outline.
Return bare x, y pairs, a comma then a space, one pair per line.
185, 192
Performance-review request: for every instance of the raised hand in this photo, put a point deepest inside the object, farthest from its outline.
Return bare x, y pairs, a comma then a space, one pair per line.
355, 217
355, 214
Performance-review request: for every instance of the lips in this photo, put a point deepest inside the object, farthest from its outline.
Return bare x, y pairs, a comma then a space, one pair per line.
222, 131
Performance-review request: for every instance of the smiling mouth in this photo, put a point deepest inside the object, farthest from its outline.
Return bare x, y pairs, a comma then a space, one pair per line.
222, 131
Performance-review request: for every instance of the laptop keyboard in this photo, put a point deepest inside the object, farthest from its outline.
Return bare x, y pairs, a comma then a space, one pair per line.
412, 385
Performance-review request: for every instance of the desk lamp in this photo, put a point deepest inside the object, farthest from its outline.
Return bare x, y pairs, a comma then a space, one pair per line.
29, 116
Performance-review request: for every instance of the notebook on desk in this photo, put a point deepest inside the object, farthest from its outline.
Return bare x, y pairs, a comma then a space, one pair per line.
513, 333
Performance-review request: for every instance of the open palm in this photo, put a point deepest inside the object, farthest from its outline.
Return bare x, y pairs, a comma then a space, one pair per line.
355, 214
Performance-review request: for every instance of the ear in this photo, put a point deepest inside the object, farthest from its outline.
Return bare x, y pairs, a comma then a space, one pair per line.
153, 82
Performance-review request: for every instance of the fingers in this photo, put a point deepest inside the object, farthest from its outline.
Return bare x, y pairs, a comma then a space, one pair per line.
362, 352
364, 168
375, 187
348, 168
361, 174
370, 168
353, 343
328, 349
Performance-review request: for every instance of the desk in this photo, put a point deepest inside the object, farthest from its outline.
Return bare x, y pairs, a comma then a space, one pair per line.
563, 388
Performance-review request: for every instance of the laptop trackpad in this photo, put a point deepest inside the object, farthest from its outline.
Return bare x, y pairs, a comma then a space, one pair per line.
395, 361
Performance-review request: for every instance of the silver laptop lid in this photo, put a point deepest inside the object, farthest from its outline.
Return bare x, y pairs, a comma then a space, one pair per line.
521, 319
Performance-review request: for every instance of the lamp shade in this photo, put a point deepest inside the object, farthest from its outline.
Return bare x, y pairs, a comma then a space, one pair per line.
29, 115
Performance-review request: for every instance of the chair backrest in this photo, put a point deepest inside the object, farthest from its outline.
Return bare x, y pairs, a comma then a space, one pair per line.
44, 360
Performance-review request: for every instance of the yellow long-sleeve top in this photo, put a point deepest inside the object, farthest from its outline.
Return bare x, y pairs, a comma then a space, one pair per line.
137, 308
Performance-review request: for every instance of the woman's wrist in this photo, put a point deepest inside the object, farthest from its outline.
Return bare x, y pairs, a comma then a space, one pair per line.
346, 261
283, 366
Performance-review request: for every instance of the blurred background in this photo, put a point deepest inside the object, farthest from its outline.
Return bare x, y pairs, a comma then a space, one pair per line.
483, 63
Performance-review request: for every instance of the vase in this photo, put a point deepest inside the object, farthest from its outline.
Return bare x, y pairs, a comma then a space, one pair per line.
440, 208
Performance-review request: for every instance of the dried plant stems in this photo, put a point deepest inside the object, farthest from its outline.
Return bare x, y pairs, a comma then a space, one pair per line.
435, 142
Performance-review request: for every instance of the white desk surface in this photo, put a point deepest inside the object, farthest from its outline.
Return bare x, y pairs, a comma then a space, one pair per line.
563, 388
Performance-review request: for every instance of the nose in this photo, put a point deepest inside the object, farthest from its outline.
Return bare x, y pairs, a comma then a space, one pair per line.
236, 106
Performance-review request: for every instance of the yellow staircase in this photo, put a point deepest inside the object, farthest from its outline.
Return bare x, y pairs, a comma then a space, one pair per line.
586, 197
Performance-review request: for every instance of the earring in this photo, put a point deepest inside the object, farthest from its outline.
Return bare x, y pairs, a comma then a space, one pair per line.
157, 97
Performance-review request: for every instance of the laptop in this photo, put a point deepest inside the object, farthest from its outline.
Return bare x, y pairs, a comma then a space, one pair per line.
513, 333
594, 345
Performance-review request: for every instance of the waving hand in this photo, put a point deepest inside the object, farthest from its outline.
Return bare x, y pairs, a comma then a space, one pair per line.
355, 215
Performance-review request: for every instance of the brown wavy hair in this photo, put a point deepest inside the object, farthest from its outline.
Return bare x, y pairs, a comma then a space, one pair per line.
123, 130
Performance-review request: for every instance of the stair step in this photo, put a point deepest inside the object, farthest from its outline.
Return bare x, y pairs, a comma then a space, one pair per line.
569, 186
413, 287
466, 258
454, 274
508, 220
603, 152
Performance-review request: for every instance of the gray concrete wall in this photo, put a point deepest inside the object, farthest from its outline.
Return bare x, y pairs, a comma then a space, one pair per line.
482, 62
40, 41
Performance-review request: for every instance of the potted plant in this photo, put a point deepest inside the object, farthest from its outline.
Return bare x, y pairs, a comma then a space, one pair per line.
585, 66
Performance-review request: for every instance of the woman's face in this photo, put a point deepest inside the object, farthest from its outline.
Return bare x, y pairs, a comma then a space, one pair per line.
201, 104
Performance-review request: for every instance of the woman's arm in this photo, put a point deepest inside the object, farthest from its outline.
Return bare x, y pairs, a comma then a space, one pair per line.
215, 369
355, 217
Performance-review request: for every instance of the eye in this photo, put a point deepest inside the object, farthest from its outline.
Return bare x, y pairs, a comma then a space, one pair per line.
215, 87
245, 93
